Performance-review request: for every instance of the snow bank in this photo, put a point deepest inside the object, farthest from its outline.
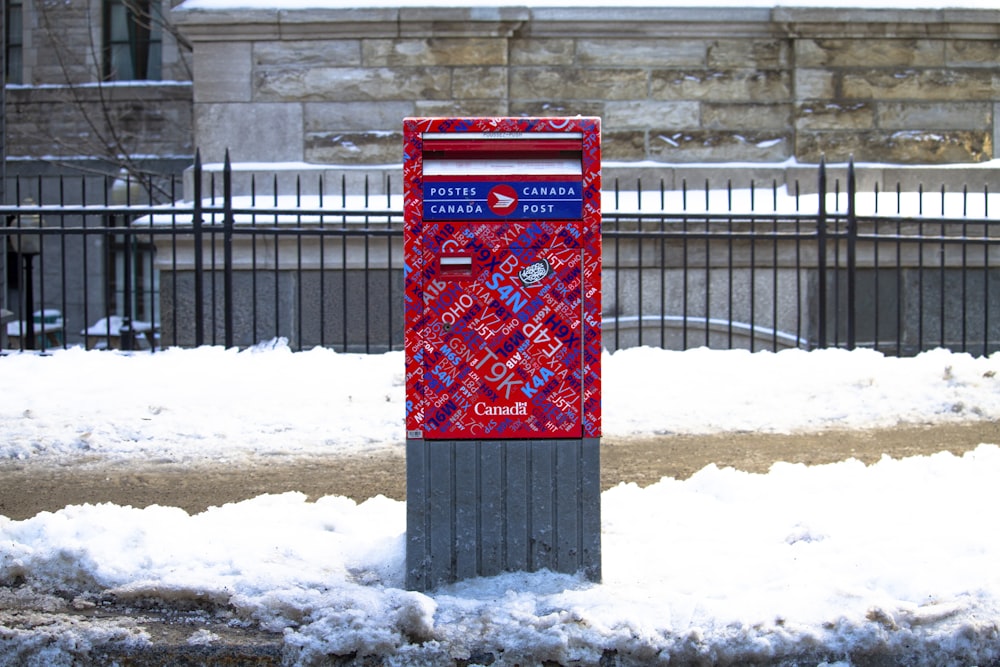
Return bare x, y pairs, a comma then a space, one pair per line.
212, 403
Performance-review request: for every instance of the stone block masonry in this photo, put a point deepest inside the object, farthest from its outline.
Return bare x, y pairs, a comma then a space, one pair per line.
678, 85
94, 121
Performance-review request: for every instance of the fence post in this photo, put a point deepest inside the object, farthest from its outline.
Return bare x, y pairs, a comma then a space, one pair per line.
199, 266
852, 256
821, 253
227, 249
127, 338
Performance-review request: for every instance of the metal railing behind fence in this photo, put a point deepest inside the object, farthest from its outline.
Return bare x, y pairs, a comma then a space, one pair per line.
129, 264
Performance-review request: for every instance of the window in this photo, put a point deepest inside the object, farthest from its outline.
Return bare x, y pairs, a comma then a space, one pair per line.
132, 40
13, 40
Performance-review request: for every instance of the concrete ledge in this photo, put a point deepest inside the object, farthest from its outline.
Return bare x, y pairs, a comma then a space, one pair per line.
842, 22
502, 20
243, 24
382, 180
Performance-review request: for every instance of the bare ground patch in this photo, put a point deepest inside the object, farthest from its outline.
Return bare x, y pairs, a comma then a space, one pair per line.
27, 488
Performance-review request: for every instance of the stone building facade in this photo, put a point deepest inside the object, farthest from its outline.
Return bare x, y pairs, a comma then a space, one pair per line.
672, 85
62, 105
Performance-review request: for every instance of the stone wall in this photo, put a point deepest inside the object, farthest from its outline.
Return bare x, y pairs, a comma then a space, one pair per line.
60, 110
134, 119
676, 85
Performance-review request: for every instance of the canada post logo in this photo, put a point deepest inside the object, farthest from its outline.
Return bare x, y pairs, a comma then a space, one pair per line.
502, 200
495, 200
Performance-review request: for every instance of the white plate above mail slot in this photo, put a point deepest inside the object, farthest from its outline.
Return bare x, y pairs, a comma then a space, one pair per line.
502, 167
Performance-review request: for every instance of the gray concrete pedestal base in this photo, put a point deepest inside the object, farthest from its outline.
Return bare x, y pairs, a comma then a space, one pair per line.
482, 507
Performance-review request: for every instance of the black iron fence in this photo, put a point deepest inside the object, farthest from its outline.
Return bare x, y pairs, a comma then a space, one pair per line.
130, 264
911, 271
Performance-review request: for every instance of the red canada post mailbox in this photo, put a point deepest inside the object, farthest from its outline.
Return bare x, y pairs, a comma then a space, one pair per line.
502, 245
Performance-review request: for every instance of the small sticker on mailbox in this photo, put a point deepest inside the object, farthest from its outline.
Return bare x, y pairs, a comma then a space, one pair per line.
534, 272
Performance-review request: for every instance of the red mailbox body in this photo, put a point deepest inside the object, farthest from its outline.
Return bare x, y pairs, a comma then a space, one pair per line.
502, 248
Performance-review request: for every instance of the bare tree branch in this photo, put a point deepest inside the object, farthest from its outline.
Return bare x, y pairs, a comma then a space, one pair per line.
102, 119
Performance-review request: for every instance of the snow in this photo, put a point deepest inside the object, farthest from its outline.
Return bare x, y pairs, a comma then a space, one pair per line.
216, 404
810, 564
359, 209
